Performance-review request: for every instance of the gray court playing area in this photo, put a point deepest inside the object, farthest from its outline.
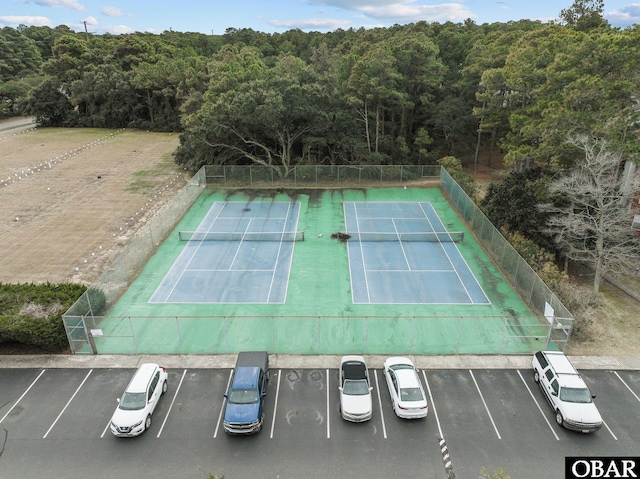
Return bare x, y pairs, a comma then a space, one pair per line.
240, 253
402, 253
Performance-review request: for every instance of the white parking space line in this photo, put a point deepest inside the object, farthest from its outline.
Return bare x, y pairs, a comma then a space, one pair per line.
328, 417
538, 406
172, 401
433, 405
67, 405
485, 404
275, 406
609, 429
224, 402
623, 382
104, 431
23, 395
384, 427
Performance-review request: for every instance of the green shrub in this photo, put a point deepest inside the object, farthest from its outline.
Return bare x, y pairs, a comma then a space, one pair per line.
31, 314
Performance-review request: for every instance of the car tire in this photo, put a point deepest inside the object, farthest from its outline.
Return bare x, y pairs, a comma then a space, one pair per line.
164, 387
147, 422
559, 418
536, 376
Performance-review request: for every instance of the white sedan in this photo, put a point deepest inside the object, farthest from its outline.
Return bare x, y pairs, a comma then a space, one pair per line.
355, 389
405, 388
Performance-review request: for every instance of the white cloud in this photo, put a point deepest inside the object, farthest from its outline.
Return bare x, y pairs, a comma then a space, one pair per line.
96, 27
110, 11
355, 4
312, 24
626, 16
30, 21
117, 29
72, 4
403, 11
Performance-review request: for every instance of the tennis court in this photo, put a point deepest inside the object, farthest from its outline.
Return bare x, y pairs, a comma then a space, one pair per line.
240, 253
314, 294
401, 253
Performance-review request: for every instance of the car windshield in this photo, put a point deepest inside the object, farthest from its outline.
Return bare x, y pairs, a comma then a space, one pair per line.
580, 395
132, 401
243, 396
355, 388
411, 394
397, 367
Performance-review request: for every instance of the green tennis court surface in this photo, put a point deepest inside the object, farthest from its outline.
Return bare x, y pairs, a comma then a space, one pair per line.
319, 315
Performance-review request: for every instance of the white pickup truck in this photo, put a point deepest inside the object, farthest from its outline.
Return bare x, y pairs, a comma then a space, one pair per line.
566, 391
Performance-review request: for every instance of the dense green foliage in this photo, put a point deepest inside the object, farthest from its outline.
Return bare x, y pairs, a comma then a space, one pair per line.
407, 94
31, 314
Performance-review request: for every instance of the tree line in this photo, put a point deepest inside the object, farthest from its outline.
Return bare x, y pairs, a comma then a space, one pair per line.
405, 94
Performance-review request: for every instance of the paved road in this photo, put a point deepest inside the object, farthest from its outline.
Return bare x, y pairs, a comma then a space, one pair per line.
15, 125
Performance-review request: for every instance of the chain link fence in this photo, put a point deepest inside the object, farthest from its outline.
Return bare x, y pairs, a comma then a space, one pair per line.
550, 328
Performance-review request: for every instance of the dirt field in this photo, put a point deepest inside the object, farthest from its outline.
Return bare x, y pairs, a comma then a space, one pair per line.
70, 199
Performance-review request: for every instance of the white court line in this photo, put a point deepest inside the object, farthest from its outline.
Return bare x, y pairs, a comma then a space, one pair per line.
433, 405
275, 406
364, 265
449, 257
404, 253
224, 402
67, 405
246, 230
485, 404
275, 265
538, 406
23, 395
186, 266
384, 428
172, 401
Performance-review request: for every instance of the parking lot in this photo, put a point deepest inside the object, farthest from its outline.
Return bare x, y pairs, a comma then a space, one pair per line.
54, 423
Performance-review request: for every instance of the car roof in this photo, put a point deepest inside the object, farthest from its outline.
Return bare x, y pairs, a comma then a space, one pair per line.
407, 378
571, 381
246, 378
560, 362
141, 378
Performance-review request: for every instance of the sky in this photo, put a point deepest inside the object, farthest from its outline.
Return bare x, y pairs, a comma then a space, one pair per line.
277, 16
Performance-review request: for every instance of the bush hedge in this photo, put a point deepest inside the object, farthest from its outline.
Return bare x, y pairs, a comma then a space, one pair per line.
31, 314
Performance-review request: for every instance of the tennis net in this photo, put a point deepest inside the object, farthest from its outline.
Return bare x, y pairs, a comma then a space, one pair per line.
431, 237
283, 236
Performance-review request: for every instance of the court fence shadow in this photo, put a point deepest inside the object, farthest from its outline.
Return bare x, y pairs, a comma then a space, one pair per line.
550, 328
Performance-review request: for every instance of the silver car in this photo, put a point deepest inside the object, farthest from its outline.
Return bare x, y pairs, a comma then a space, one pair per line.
355, 389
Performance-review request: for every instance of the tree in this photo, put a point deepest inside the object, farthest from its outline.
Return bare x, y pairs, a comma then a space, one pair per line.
508, 205
263, 120
591, 219
584, 15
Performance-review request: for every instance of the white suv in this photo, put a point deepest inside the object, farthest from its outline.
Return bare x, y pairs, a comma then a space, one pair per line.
565, 391
133, 415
